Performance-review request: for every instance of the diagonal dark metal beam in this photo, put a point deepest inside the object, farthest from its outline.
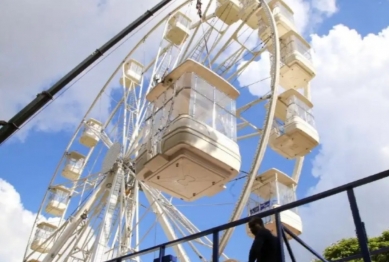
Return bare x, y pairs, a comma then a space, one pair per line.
7, 128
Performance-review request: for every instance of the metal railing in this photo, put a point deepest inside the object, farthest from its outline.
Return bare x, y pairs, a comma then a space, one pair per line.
282, 231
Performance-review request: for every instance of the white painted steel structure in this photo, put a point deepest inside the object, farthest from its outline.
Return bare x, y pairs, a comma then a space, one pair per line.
173, 132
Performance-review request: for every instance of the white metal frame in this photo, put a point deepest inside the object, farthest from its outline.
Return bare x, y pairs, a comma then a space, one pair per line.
127, 206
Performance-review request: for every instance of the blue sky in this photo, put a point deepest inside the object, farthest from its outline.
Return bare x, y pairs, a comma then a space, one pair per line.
364, 16
28, 165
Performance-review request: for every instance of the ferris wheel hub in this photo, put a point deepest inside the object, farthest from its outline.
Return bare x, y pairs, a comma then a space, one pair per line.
111, 157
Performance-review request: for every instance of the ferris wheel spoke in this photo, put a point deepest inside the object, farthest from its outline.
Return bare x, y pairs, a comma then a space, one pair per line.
67, 250
105, 139
242, 125
179, 222
70, 226
83, 250
180, 218
166, 226
195, 27
232, 41
245, 107
82, 244
191, 244
246, 123
230, 61
237, 72
226, 65
255, 134
98, 222
298, 166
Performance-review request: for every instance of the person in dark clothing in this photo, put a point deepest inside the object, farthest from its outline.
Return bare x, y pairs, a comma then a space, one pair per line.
265, 247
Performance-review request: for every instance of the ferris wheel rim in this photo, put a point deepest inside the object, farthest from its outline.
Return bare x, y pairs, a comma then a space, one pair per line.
264, 139
274, 93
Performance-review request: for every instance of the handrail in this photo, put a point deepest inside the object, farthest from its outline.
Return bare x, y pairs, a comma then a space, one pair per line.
307, 200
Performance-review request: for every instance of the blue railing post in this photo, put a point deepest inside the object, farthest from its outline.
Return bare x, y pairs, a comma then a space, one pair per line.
161, 253
279, 236
360, 228
290, 251
215, 248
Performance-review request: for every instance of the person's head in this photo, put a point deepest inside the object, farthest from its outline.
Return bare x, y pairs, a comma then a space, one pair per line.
255, 224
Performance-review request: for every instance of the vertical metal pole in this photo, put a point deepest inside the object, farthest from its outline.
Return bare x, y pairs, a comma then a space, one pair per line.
215, 248
279, 236
290, 251
161, 253
361, 233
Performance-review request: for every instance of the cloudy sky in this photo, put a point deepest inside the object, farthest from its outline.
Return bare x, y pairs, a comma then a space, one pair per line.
42, 40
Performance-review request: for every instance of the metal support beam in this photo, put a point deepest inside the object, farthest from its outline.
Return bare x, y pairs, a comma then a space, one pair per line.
215, 248
279, 236
290, 233
290, 251
163, 220
161, 253
10, 127
359, 225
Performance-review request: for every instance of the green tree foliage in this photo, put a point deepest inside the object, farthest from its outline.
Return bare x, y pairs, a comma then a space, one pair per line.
349, 247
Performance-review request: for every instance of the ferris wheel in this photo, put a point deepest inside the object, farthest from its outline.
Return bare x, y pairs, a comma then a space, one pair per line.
176, 131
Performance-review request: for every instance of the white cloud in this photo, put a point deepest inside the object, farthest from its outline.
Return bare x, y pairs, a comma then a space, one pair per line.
351, 89
328, 7
309, 14
44, 40
302, 13
261, 71
16, 223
